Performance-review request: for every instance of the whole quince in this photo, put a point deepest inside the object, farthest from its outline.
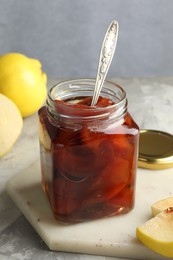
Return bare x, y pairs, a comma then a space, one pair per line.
22, 80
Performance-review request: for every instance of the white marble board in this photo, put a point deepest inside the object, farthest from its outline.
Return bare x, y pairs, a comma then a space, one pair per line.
113, 236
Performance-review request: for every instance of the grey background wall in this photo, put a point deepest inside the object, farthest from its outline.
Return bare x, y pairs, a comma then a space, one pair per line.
66, 35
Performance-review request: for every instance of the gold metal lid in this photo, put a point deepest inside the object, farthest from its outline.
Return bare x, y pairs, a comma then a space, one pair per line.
155, 150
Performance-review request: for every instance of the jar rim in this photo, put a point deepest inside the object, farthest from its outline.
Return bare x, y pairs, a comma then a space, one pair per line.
91, 82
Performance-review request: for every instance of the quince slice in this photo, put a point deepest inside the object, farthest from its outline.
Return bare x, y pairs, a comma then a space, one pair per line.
43, 136
157, 233
161, 205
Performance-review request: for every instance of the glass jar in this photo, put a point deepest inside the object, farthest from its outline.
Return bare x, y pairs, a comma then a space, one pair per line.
88, 154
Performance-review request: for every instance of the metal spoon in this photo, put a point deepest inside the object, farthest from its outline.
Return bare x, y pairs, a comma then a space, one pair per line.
106, 55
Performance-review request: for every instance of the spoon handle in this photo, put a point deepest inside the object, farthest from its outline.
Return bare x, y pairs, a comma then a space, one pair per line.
106, 55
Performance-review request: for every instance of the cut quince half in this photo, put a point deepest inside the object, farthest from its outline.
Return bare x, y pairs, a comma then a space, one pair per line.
11, 124
157, 233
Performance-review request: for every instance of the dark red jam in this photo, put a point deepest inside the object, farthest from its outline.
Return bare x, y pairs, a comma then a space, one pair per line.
87, 172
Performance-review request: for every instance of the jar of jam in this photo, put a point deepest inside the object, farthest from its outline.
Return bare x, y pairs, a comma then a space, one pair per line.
88, 154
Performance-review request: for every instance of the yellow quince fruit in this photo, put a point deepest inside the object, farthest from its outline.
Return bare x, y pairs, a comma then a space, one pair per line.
161, 205
22, 80
11, 123
157, 233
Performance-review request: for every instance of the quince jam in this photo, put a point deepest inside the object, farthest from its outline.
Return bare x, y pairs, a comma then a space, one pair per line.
88, 163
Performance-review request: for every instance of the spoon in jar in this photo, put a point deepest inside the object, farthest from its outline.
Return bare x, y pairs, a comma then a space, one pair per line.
106, 56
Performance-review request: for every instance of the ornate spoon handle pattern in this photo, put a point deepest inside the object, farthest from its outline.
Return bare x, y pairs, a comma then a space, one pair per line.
106, 55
